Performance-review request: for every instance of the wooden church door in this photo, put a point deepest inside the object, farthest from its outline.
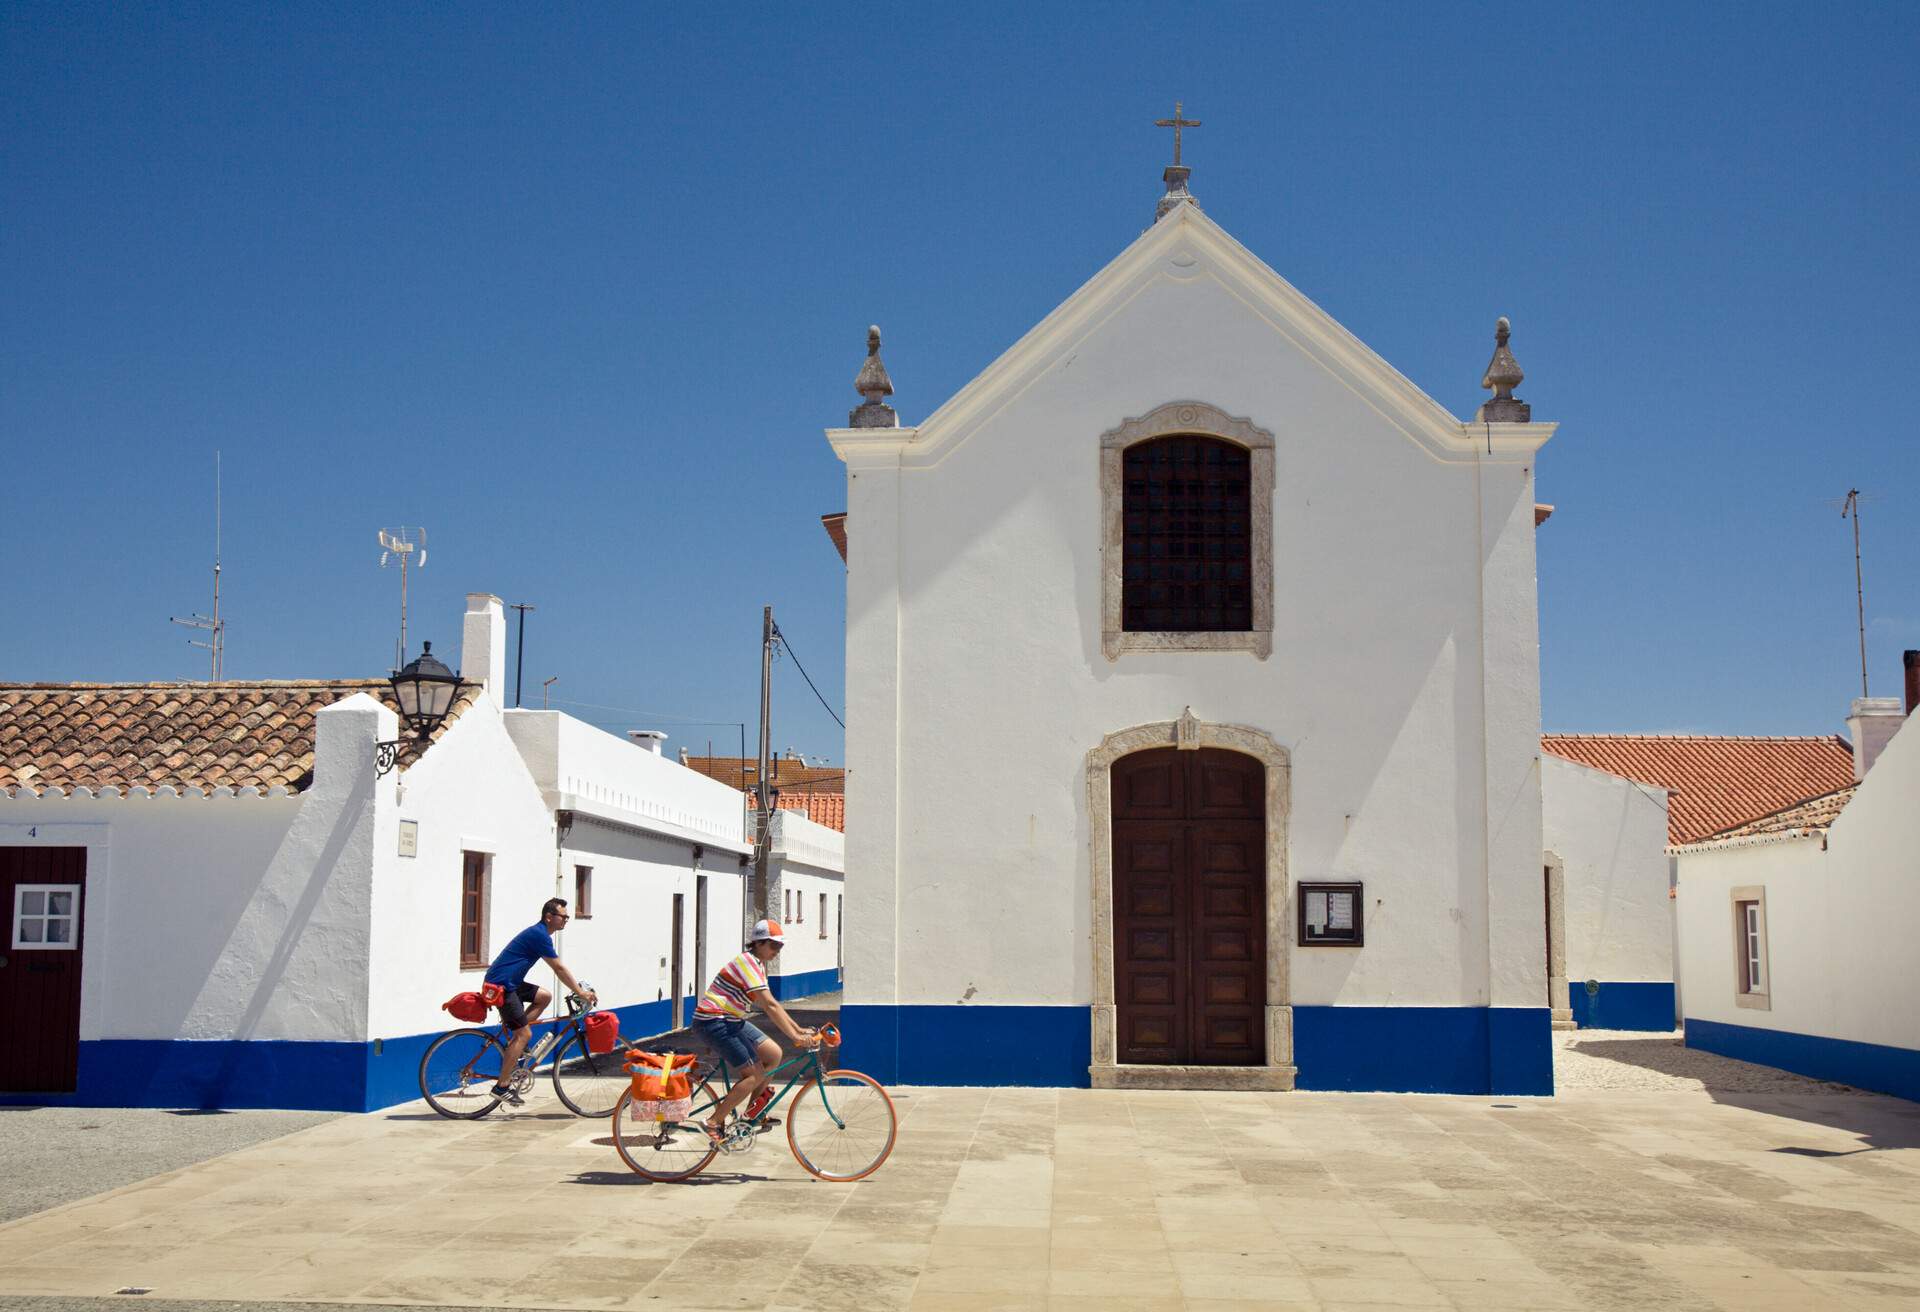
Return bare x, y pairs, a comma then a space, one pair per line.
1190, 908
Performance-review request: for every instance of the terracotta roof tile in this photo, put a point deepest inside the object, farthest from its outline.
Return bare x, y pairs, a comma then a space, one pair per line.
836, 526
786, 772
1717, 782
114, 736
829, 809
1813, 816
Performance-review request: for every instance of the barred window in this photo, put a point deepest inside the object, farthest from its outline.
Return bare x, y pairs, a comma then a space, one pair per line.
1187, 532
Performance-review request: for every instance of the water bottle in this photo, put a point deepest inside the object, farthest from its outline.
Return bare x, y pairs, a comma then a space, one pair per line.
540, 1049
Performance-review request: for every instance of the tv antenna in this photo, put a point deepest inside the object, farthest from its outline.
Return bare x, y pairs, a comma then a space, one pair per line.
1850, 509
403, 545
212, 625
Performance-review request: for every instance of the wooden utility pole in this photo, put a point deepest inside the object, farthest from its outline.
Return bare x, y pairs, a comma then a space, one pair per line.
763, 831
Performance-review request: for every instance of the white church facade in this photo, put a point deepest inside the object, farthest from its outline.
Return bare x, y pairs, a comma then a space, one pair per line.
1193, 705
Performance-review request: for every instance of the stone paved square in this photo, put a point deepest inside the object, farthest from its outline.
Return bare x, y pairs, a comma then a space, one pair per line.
1715, 1185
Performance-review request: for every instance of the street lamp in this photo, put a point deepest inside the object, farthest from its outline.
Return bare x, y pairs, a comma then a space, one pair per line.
425, 690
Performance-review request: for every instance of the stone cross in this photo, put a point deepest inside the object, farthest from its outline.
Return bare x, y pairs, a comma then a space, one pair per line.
1176, 123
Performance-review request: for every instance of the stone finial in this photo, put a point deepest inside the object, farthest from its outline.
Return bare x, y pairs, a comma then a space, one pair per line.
1176, 176
872, 382
1502, 376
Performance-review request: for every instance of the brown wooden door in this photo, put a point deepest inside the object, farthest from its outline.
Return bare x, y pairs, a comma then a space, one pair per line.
1189, 899
42, 891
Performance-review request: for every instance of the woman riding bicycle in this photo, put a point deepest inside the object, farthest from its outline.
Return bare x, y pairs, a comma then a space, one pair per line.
721, 1019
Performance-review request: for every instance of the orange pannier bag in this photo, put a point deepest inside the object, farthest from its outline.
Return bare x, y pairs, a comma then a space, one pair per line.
603, 1032
662, 1084
469, 1007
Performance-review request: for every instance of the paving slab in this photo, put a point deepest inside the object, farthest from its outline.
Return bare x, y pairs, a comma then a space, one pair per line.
1709, 1195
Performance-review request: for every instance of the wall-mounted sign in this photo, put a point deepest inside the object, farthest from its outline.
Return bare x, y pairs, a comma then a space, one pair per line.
409, 838
1331, 915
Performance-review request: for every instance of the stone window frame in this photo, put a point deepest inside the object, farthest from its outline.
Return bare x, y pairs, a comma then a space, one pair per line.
1189, 733
1176, 419
1740, 898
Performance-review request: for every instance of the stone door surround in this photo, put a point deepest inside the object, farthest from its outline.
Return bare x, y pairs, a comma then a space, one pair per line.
1203, 420
1190, 733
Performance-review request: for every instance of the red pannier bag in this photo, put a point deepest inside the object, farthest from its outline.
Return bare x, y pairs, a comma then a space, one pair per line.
603, 1032
469, 1007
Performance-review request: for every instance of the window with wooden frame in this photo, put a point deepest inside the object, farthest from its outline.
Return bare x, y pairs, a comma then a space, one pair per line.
1187, 533
823, 915
799, 907
583, 892
1753, 984
474, 870
1188, 549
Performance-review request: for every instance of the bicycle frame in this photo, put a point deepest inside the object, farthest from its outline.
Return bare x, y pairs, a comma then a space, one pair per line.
809, 1067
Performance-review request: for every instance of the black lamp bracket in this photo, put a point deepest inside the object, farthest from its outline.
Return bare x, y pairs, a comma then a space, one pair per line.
385, 756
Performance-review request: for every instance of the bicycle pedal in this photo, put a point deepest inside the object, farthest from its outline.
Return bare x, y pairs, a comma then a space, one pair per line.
763, 1126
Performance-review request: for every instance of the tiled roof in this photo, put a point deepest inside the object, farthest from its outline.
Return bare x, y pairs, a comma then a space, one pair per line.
836, 526
1717, 782
110, 737
1812, 816
829, 809
784, 773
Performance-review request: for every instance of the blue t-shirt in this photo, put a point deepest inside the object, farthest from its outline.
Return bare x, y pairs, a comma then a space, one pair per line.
530, 945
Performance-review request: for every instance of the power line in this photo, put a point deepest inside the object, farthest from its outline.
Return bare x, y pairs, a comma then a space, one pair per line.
803, 674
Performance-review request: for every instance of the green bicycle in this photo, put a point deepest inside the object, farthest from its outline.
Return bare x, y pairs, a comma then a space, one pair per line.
840, 1126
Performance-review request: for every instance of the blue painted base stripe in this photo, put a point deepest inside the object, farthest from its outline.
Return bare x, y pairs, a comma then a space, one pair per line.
1875, 1066
805, 984
290, 1075
1622, 1005
1471, 1050
1044, 1047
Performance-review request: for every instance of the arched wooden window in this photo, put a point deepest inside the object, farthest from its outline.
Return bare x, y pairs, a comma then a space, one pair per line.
1186, 533
1188, 544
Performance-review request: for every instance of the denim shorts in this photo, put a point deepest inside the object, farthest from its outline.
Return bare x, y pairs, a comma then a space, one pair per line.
736, 1042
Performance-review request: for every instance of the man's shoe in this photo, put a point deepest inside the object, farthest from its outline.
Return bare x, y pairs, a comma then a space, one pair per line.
508, 1096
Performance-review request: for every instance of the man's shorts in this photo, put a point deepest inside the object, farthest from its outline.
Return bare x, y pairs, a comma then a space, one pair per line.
736, 1042
513, 1007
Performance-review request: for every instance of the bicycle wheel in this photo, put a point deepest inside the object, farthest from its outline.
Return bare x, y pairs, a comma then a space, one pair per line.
841, 1126
458, 1072
589, 1083
664, 1153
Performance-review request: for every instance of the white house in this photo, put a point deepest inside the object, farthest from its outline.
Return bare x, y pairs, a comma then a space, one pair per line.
807, 890
218, 898
1193, 704
1797, 929
1609, 903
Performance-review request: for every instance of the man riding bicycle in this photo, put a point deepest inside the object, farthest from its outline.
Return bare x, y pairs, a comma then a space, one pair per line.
524, 1002
721, 1019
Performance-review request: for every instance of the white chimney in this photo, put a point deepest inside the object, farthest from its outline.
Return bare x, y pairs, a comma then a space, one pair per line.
651, 739
1872, 725
483, 644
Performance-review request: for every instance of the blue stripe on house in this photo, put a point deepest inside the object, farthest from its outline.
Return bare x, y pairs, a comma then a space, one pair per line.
1478, 1050
1622, 1005
805, 984
1473, 1050
285, 1074
1874, 1066
1046, 1047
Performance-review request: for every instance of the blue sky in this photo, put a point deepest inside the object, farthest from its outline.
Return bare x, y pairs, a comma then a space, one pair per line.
578, 288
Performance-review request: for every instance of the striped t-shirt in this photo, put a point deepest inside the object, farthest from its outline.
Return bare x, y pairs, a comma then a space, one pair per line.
727, 998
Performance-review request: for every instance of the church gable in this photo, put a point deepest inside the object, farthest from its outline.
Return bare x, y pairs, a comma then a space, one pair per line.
1184, 248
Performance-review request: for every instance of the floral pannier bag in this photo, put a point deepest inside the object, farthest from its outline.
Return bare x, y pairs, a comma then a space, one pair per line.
662, 1084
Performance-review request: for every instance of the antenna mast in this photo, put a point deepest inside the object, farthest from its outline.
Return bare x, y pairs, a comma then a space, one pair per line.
212, 626
403, 544
1851, 510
